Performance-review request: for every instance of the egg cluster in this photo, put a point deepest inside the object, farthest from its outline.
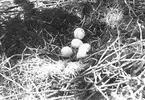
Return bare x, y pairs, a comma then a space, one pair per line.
77, 43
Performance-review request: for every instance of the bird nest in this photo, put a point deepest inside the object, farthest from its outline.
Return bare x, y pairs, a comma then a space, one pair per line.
32, 34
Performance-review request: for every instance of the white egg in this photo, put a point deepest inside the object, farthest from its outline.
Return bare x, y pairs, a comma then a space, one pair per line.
81, 54
66, 51
85, 47
79, 33
76, 43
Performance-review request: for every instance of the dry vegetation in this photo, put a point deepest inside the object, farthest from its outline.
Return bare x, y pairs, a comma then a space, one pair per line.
33, 32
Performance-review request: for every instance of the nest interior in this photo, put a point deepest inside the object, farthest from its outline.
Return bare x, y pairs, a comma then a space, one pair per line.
33, 27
